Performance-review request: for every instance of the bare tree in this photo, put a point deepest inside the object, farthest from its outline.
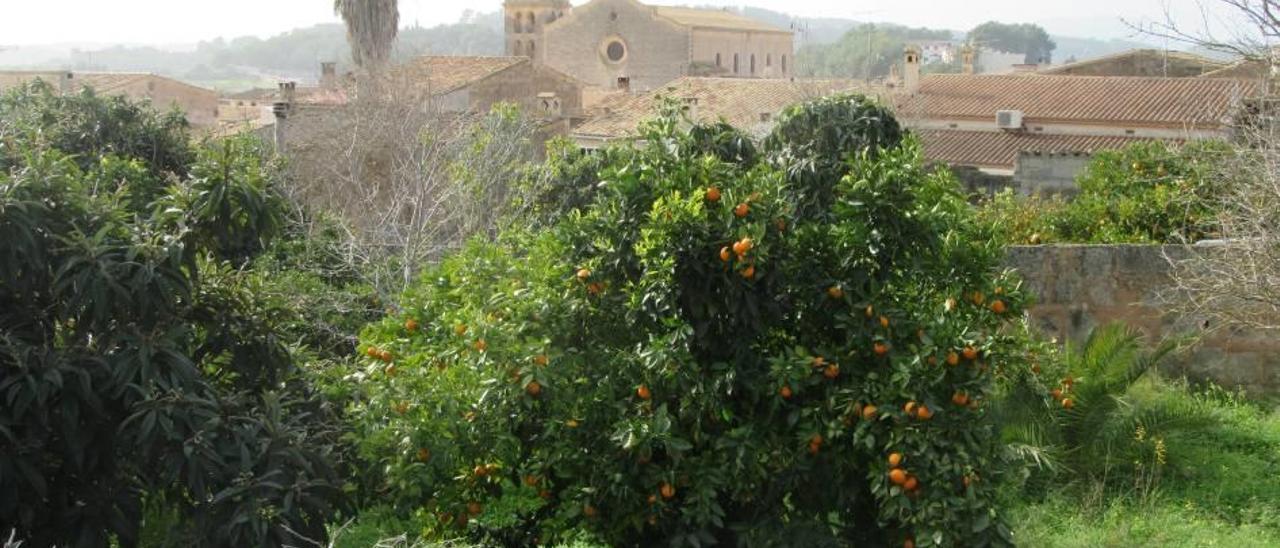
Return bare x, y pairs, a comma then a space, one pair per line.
1235, 282
408, 180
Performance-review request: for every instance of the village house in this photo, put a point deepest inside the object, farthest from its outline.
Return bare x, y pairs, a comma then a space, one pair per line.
623, 44
198, 104
1140, 62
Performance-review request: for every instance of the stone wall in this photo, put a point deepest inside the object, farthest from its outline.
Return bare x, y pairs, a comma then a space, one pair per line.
772, 52
1049, 173
1083, 286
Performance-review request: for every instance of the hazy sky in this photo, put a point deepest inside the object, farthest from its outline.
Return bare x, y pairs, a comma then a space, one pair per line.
187, 21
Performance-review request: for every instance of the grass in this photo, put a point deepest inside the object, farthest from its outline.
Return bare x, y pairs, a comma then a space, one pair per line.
1220, 486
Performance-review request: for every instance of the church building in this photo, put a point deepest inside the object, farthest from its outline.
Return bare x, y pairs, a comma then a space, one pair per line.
623, 44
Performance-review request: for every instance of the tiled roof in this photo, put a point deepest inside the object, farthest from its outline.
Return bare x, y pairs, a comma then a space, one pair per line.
1177, 102
443, 74
714, 19
998, 149
739, 101
15, 78
1245, 70
107, 82
1126, 62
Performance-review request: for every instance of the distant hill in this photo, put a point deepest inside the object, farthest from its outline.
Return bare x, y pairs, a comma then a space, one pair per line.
245, 62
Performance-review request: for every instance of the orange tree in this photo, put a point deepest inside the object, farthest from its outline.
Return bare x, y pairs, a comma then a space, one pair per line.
687, 360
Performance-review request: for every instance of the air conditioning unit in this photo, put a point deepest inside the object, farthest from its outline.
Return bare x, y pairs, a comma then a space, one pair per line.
1009, 119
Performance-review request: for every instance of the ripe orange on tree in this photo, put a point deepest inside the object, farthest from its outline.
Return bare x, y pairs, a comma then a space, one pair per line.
785, 392
474, 508
411, 325
910, 408
583, 274
533, 388
643, 393
1056, 393
460, 329
589, 511
970, 353
480, 345
895, 459
835, 292
831, 372
953, 358
540, 360
880, 348
869, 412
713, 194
531, 480
1067, 403
749, 272
897, 476
372, 352
384, 355
960, 398
743, 246
725, 254
911, 484
884, 322
923, 413
668, 491
742, 210
998, 307
424, 454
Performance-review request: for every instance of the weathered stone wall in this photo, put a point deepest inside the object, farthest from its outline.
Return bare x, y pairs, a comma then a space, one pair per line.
1049, 172
1083, 286
772, 52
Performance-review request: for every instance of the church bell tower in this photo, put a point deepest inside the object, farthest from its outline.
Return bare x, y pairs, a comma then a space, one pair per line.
525, 20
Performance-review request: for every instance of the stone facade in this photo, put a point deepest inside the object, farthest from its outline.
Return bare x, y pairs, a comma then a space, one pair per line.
623, 44
1080, 287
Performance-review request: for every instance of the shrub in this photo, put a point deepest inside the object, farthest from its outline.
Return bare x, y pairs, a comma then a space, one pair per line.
1145, 193
688, 360
138, 366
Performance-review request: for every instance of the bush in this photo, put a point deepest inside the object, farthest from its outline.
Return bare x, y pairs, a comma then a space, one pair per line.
1146, 193
140, 368
688, 360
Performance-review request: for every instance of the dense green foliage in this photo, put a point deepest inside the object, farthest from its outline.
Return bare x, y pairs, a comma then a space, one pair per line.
1145, 193
139, 363
698, 355
1025, 38
865, 51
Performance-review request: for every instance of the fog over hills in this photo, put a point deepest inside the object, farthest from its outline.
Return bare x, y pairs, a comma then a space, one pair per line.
243, 62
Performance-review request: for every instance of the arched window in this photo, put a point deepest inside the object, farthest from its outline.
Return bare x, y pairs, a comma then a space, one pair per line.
735, 63
753, 63
517, 25
519, 49
784, 64
768, 59
531, 46
717, 60
529, 26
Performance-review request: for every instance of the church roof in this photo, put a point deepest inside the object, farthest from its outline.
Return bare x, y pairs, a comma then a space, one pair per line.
1139, 62
714, 19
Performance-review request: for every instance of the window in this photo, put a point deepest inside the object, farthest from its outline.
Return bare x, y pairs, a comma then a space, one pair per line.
517, 24
616, 51
735, 63
613, 16
518, 50
529, 26
717, 60
784, 64
753, 63
768, 60
531, 46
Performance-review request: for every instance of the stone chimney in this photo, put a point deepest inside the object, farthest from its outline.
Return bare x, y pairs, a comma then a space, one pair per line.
329, 75
282, 109
911, 69
968, 55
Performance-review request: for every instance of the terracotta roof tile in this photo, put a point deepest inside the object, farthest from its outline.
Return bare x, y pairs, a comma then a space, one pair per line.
443, 74
1178, 102
714, 19
739, 101
999, 150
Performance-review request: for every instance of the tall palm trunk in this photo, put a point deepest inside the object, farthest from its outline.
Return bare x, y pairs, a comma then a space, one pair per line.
371, 30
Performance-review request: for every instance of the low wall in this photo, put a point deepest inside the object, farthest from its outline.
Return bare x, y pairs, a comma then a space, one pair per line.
1083, 286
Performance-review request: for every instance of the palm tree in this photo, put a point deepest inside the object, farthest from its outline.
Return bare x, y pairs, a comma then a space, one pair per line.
371, 30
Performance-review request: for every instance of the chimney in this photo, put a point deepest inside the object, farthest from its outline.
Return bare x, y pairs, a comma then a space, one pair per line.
281, 109
967, 58
329, 75
911, 69
66, 84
